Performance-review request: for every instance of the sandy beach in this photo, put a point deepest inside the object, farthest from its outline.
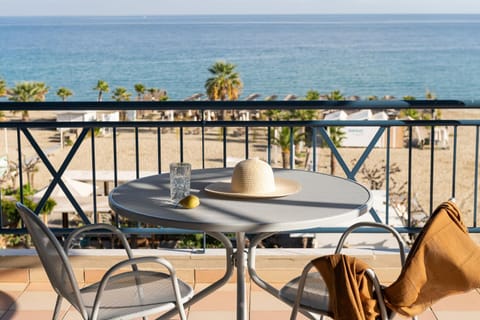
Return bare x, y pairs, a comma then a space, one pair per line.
421, 166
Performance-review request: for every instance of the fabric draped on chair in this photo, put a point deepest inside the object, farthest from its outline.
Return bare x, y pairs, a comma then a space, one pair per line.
354, 299
444, 260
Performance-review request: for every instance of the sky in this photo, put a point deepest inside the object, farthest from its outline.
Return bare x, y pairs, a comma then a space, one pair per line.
187, 7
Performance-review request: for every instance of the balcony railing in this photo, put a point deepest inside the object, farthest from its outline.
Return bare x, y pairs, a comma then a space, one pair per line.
416, 164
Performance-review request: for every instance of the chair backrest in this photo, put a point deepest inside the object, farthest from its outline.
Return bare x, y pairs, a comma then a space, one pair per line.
53, 258
366, 224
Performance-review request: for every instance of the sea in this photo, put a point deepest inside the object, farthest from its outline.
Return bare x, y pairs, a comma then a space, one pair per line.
360, 55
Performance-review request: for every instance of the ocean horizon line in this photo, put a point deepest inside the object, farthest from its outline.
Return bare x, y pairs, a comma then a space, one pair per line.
248, 14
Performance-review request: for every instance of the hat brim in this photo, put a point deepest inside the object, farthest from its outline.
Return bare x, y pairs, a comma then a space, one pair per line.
283, 187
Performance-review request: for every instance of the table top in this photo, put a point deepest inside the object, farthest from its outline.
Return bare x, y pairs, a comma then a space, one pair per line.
323, 200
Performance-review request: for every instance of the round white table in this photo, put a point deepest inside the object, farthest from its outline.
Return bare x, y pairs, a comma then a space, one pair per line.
323, 200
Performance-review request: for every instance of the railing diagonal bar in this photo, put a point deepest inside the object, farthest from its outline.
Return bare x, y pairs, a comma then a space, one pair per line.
56, 175
371, 145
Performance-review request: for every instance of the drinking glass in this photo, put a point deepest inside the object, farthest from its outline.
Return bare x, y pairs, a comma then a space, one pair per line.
179, 180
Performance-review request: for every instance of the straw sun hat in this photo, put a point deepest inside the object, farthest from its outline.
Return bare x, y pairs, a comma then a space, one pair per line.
253, 178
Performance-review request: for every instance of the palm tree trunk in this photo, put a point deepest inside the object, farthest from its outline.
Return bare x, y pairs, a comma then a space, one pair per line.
285, 159
332, 164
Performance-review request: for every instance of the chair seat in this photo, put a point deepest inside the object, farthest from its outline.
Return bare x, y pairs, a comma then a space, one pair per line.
133, 292
315, 295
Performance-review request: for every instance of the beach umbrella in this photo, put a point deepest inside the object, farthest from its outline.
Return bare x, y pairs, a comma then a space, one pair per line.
194, 97
81, 191
252, 96
271, 97
77, 188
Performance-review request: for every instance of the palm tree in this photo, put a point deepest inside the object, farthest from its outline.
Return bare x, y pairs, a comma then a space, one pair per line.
121, 94
140, 90
102, 86
435, 114
3, 88
337, 135
410, 112
335, 95
42, 91
64, 93
430, 95
312, 95
225, 83
284, 141
28, 92
308, 114
3, 92
157, 94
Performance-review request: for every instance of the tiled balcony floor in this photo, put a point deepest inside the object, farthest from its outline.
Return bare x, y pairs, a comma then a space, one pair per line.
31, 297
22, 301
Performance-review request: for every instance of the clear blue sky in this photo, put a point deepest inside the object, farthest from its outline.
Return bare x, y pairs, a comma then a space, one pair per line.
159, 7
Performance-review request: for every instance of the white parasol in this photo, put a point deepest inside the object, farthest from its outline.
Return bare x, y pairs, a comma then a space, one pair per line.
81, 191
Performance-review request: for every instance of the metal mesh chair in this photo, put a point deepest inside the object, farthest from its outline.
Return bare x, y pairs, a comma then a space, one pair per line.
120, 294
308, 293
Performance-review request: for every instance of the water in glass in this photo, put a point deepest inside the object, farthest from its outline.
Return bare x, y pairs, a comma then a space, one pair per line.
179, 181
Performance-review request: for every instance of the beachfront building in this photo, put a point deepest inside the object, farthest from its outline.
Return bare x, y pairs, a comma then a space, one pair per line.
361, 136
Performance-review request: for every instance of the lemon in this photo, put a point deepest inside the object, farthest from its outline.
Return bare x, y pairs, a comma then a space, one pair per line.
190, 202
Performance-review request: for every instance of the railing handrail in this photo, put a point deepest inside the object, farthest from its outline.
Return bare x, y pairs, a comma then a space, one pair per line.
240, 104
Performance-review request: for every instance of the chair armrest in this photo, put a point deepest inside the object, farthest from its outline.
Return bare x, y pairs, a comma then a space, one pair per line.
135, 261
301, 288
100, 226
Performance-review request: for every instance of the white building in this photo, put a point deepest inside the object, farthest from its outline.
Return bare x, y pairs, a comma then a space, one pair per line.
360, 136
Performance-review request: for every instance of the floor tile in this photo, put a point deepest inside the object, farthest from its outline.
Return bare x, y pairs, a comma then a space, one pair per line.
27, 315
463, 302
277, 315
40, 286
213, 315
457, 315
224, 299
36, 300
264, 301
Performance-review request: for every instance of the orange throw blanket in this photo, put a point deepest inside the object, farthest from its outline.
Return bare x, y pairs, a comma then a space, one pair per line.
348, 286
444, 260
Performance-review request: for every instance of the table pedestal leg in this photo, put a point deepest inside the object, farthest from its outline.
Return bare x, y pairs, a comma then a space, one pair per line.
242, 309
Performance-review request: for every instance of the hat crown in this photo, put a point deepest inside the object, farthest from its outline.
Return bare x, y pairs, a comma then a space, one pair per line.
253, 176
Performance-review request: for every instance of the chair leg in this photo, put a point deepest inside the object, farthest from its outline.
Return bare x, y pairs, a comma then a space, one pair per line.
58, 305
